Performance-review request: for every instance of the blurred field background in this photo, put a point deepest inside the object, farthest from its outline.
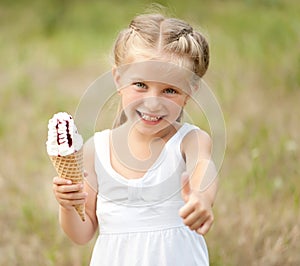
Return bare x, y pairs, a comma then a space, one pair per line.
52, 50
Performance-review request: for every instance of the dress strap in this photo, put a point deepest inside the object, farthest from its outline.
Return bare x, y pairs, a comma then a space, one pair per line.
176, 140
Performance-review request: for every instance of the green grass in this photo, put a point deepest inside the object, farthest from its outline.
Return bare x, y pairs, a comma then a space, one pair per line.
51, 51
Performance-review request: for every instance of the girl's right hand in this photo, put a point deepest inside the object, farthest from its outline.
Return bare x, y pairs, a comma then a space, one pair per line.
67, 194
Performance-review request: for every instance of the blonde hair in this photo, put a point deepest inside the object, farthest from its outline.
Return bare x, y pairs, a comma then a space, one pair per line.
155, 34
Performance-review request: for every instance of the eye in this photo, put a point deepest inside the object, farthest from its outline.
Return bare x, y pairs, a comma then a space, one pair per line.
140, 85
170, 91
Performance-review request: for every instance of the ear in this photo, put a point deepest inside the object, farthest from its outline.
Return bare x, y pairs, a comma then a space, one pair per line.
116, 77
195, 87
187, 97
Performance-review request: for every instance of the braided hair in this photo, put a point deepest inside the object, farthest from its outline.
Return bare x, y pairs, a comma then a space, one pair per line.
154, 34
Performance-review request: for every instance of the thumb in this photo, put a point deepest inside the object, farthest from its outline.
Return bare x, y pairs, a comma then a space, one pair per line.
185, 184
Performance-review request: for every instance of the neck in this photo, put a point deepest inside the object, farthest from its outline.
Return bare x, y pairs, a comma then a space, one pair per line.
135, 135
137, 149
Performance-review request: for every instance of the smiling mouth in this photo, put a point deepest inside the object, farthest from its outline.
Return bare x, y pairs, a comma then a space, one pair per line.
150, 118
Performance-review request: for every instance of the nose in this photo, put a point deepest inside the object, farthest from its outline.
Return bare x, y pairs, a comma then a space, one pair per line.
152, 103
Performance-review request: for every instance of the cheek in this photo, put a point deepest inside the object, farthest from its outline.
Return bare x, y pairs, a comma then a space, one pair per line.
176, 110
179, 103
130, 99
177, 106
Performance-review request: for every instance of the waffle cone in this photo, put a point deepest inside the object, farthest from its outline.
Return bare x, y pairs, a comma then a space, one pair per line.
71, 167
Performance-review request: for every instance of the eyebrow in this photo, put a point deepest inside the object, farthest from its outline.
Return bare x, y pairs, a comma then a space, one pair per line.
135, 78
168, 86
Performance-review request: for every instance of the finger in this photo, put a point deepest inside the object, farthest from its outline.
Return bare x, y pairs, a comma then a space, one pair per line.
69, 188
186, 210
71, 203
61, 181
71, 199
198, 223
72, 196
186, 188
205, 227
194, 220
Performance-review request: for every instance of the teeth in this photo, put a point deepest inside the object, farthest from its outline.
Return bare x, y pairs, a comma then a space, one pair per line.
150, 118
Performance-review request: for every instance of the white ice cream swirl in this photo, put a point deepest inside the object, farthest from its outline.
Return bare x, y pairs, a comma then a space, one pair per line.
63, 137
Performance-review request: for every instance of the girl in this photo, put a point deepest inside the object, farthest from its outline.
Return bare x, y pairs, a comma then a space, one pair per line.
143, 176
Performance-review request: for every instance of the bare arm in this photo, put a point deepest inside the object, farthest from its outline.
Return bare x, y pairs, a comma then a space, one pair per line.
68, 195
199, 182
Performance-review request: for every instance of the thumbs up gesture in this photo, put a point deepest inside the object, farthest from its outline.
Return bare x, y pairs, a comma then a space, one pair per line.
197, 211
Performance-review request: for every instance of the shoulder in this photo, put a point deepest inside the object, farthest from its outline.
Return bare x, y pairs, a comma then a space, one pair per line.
98, 138
197, 134
89, 148
95, 141
198, 143
89, 144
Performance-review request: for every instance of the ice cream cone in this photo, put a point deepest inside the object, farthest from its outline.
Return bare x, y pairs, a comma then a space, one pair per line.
71, 167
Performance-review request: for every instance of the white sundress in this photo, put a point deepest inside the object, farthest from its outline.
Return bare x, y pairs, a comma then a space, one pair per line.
138, 218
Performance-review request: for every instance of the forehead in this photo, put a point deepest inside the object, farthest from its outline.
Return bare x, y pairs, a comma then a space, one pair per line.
160, 72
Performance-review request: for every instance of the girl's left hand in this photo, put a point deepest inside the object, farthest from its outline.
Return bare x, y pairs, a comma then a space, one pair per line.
197, 212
